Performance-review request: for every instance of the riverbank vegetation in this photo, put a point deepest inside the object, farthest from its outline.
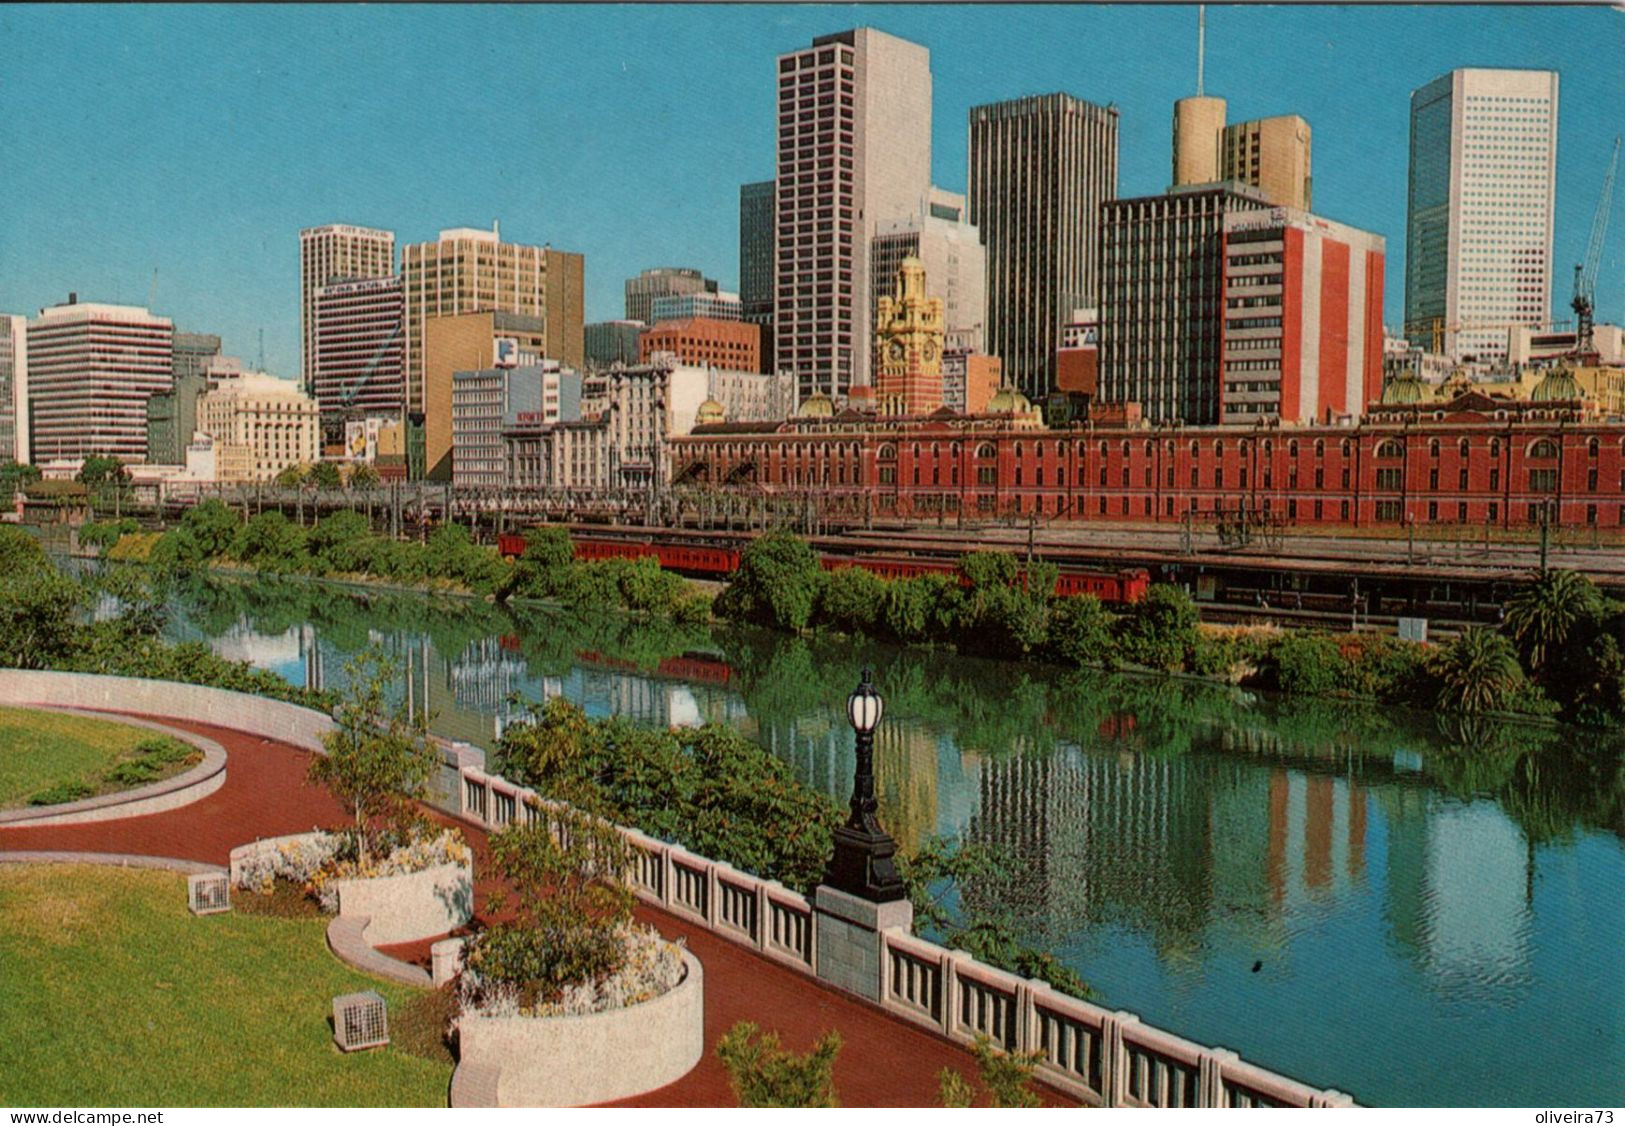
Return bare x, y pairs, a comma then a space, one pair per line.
988, 609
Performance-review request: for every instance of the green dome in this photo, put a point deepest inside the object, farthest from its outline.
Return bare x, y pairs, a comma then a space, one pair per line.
1403, 391
1559, 386
710, 412
817, 405
1008, 401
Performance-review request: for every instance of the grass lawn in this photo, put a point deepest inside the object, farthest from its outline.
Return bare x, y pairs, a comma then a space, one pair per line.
39, 749
112, 994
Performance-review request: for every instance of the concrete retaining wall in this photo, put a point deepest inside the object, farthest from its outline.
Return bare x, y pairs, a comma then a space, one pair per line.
582, 1060
256, 715
183, 789
411, 906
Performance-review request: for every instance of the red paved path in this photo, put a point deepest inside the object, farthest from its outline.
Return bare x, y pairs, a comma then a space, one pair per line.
266, 795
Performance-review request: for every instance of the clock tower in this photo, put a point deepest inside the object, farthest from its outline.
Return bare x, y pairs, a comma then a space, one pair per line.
908, 346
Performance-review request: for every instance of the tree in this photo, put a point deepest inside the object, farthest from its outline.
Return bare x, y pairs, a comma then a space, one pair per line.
1161, 629
362, 476
1005, 1076
851, 599
324, 475
777, 583
271, 542
1080, 631
13, 476
379, 760
543, 568
765, 1075
1478, 672
292, 477
39, 606
98, 470
1540, 617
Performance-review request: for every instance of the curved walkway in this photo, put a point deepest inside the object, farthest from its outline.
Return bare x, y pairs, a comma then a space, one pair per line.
885, 1062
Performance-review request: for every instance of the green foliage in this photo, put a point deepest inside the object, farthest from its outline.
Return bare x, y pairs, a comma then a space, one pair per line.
362, 476
332, 542
206, 532
763, 1074
851, 599
13, 476
1478, 672
324, 475
452, 554
955, 1090
571, 904
292, 477
379, 759
63, 792
709, 788
940, 866
1540, 618
102, 536
19, 551
1080, 632
1307, 664
271, 542
1005, 1075
39, 607
1160, 630
1002, 614
777, 583
923, 608
99, 470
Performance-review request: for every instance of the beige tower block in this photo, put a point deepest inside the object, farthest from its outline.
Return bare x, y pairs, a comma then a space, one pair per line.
1198, 130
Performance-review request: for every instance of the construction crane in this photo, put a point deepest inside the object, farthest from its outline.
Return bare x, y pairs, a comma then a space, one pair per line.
1439, 327
1585, 274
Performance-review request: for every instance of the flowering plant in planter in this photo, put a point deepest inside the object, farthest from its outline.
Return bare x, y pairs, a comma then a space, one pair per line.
571, 946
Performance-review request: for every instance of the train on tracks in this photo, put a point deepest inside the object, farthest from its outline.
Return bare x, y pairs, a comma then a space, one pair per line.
717, 560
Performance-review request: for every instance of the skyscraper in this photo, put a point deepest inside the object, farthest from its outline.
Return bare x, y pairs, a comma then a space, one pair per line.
468, 270
360, 368
14, 444
854, 151
662, 281
1040, 167
1478, 254
91, 370
756, 248
955, 265
335, 252
1271, 154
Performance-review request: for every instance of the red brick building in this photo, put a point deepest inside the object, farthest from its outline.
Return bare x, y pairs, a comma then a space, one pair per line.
1473, 461
704, 342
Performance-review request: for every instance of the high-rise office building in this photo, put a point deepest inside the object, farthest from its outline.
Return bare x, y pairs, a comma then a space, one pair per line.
260, 424
756, 247
854, 151
613, 342
1198, 136
172, 414
329, 253
955, 264
469, 270
360, 353
1271, 154
1483, 165
711, 306
1040, 168
467, 342
733, 345
91, 370
662, 281
14, 445
1162, 306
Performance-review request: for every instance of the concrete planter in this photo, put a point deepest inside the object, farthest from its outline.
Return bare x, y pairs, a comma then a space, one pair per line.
582, 1060
412, 905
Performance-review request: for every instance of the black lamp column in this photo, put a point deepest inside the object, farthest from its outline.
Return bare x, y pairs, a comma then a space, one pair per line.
863, 862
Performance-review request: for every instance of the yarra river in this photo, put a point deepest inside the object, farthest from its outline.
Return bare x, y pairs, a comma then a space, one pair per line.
1414, 912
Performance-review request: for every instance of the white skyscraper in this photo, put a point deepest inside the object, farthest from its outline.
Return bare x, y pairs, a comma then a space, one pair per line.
332, 253
91, 370
854, 152
14, 444
1478, 254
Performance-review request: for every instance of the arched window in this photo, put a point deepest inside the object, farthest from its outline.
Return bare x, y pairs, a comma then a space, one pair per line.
1038, 450
1104, 449
1018, 451
1128, 449
1150, 448
985, 450
1196, 448
916, 451
1292, 449
887, 453
1390, 447
1244, 446
1464, 448
1495, 447
1083, 449
1269, 447
956, 449
1345, 447
1541, 448
1593, 447
1170, 447
1320, 447
1218, 449
1433, 449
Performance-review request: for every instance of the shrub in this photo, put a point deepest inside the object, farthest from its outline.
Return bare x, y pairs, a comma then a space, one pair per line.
1005, 1076
923, 608
1308, 664
1478, 672
270, 542
763, 1074
62, 792
777, 583
1160, 630
851, 599
1080, 632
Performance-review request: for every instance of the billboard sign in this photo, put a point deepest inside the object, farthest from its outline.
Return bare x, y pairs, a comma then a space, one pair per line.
505, 352
361, 439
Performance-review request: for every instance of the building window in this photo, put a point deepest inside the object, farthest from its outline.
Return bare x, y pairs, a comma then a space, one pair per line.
1388, 511
1393, 479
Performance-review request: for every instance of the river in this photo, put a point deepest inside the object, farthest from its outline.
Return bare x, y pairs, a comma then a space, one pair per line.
1414, 912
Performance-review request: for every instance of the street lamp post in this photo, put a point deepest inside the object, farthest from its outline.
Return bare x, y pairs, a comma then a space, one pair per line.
863, 863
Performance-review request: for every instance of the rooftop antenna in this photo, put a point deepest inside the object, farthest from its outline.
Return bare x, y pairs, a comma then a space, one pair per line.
262, 349
1201, 44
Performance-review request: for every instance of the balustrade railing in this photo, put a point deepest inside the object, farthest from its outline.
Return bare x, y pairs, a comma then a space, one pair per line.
1101, 1057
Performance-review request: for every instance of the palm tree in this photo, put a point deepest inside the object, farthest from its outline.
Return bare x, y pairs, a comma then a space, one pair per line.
1541, 617
1478, 672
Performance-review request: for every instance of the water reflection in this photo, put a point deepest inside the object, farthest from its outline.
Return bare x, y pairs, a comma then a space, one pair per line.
1360, 897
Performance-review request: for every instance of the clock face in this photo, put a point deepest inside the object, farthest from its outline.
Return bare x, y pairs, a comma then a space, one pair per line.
896, 349
930, 352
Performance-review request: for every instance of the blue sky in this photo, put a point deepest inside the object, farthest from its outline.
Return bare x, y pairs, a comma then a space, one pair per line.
198, 140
